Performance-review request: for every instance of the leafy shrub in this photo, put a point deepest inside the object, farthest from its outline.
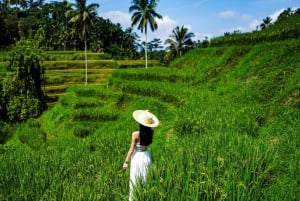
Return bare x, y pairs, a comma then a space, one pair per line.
22, 91
4, 56
4, 132
21, 108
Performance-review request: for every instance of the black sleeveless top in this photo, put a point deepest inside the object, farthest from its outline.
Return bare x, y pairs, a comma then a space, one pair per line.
146, 137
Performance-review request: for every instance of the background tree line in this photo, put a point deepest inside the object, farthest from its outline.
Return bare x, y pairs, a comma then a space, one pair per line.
26, 18
55, 23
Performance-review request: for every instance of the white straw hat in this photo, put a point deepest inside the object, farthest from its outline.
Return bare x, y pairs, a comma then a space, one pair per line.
145, 118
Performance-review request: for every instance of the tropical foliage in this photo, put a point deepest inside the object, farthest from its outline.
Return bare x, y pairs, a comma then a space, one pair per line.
266, 22
179, 42
22, 90
59, 33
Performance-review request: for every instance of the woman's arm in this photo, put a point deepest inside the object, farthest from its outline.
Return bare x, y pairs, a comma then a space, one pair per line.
134, 140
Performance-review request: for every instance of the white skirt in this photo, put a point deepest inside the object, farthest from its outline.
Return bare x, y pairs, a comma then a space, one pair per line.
140, 161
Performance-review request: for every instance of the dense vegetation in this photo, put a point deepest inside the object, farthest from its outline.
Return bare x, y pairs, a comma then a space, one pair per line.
229, 131
50, 20
62, 26
287, 26
229, 127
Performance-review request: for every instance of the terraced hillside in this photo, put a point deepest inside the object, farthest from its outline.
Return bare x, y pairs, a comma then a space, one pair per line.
229, 130
67, 68
60, 75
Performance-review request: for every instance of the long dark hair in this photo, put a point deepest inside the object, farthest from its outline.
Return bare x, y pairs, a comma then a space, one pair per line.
146, 135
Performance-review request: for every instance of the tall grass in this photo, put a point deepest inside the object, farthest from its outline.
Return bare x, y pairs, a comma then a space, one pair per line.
222, 167
167, 94
218, 138
219, 166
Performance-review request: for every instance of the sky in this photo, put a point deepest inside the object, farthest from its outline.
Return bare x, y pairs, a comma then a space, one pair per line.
204, 18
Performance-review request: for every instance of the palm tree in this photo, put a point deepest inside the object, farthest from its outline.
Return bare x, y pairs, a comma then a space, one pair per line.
144, 14
82, 17
179, 42
266, 22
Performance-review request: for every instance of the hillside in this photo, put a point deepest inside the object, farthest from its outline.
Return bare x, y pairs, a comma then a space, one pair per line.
229, 131
286, 27
65, 68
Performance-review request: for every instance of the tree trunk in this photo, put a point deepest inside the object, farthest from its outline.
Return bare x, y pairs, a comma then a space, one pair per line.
146, 47
85, 55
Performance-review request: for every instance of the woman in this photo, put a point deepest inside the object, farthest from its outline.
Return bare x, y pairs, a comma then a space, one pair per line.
138, 152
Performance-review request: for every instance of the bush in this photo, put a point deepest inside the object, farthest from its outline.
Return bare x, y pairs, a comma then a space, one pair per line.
4, 134
21, 108
23, 90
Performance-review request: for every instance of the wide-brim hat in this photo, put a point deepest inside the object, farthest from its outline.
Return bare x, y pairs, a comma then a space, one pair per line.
145, 118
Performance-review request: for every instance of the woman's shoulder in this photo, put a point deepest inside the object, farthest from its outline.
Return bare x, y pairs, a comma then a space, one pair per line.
135, 133
136, 136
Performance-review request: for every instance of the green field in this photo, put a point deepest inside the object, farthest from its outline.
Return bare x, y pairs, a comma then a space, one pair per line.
229, 129
66, 68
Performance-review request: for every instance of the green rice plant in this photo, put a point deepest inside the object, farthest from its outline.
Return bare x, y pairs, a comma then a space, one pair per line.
55, 175
69, 79
136, 63
165, 93
208, 111
214, 166
203, 169
216, 139
84, 128
55, 89
98, 92
199, 60
31, 135
66, 101
86, 91
161, 74
96, 74
76, 102
79, 64
88, 103
56, 80
74, 55
93, 56
93, 114
70, 71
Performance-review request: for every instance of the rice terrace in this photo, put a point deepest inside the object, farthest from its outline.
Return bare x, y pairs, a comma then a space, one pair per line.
229, 110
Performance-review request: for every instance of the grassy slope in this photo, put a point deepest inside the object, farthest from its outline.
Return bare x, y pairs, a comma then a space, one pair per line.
65, 68
229, 131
